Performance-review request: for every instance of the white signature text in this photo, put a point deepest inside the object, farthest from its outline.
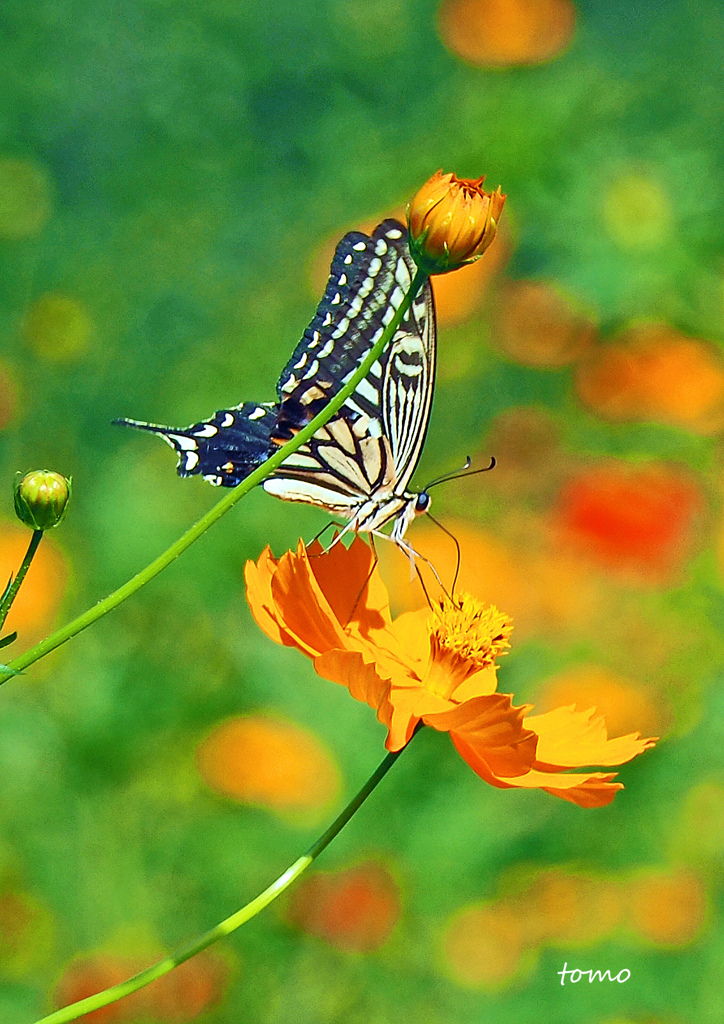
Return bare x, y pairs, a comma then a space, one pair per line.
623, 975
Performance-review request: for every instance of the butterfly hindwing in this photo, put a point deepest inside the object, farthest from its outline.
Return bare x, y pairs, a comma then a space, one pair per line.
223, 449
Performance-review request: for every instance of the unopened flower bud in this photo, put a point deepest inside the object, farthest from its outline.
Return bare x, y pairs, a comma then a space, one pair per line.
451, 222
41, 499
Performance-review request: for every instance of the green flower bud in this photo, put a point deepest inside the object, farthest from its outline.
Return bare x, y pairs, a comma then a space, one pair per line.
41, 499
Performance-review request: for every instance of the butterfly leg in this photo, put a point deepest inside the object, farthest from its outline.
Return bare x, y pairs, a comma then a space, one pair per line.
412, 554
327, 526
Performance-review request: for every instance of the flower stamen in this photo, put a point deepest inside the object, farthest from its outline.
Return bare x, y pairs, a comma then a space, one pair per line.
466, 636
473, 631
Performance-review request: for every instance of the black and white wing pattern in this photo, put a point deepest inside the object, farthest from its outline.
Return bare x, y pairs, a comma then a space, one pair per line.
360, 463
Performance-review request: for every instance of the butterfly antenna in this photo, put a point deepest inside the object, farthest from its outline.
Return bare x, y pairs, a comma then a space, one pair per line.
457, 549
459, 474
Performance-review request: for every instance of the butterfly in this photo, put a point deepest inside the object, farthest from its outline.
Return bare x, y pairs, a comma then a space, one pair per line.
358, 466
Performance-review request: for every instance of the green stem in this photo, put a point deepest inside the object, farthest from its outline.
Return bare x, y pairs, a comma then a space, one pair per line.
260, 473
15, 587
230, 924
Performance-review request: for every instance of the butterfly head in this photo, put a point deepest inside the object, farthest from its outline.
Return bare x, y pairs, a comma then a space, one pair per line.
409, 507
422, 503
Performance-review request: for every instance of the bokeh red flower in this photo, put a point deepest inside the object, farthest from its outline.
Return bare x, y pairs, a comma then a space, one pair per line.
434, 665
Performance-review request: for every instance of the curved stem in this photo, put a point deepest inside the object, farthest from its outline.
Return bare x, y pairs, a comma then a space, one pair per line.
15, 585
260, 473
230, 924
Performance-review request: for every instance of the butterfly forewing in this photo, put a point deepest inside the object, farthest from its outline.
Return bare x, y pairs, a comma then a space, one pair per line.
387, 414
350, 318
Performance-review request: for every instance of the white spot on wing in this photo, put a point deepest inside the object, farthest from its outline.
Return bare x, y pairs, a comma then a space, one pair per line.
192, 460
208, 430
402, 274
368, 391
339, 330
408, 369
227, 420
186, 444
256, 415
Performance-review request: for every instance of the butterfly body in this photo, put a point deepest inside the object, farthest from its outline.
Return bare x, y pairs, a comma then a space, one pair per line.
358, 465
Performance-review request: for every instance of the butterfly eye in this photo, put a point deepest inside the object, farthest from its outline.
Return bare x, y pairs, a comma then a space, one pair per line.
422, 503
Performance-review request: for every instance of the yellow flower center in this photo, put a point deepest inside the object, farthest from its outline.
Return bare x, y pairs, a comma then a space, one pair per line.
465, 637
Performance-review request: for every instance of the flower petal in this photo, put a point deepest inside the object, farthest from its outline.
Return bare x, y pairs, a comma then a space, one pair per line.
409, 705
351, 583
587, 789
591, 789
571, 739
478, 684
492, 729
364, 682
407, 641
258, 577
301, 608
361, 678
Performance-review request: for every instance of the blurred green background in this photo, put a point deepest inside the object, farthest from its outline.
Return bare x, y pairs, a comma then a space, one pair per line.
173, 177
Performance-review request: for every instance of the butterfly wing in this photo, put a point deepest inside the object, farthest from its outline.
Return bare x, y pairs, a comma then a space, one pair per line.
374, 442
224, 449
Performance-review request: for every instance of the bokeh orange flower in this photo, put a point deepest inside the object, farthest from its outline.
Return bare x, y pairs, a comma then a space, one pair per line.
436, 666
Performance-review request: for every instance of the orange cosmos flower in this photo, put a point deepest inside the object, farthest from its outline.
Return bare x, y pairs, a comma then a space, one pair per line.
433, 666
452, 221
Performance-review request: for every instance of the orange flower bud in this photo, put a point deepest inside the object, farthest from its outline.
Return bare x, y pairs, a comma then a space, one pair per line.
452, 221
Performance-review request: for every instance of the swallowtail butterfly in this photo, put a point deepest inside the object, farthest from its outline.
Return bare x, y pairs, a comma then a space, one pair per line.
358, 466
